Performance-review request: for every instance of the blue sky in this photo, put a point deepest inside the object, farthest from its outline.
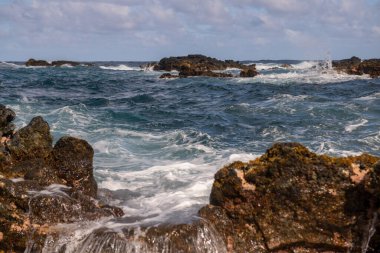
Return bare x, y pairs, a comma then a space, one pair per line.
152, 29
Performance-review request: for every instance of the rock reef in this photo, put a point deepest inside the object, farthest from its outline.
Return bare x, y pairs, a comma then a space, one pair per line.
42, 63
288, 200
200, 65
355, 66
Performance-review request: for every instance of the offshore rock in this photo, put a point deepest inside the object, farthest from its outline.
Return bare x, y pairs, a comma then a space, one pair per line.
31, 142
292, 200
249, 71
73, 161
199, 65
350, 66
37, 63
355, 66
59, 63
371, 67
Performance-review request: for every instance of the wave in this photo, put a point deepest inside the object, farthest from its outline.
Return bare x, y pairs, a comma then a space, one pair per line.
121, 67
354, 125
300, 77
10, 65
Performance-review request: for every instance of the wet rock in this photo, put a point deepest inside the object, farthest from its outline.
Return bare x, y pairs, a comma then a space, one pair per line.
37, 63
31, 142
188, 72
6, 117
198, 65
292, 198
73, 162
67, 206
249, 71
371, 67
168, 76
61, 63
349, 66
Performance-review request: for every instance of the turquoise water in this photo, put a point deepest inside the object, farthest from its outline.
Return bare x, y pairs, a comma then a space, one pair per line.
159, 142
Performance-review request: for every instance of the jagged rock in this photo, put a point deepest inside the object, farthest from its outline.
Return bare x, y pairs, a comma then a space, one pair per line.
67, 206
371, 67
349, 66
249, 71
37, 63
61, 63
188, 72
6, 117
355, 66
168, 75
73, 161
31, 142
198, 65
292, 198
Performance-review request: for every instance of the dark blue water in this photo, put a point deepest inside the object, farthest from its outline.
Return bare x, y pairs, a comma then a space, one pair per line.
159, 142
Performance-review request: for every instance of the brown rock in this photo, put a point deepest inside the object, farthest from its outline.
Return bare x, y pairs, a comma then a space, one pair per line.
73, 161
31, 142
37, 63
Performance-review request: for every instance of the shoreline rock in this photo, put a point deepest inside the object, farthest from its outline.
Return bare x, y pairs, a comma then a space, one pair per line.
42, 185
355, 66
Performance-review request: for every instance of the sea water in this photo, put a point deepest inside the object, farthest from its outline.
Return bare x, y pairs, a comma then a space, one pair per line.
158, 142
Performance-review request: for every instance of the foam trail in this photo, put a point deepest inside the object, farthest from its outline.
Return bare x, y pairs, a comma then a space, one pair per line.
121, 67
351, 127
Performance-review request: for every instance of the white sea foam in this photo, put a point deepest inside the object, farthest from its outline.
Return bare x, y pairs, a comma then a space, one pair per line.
121, 67
299, 77
353, 125
11, 65
242, 157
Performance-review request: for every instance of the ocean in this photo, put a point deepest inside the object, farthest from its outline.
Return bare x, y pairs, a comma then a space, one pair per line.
159, 142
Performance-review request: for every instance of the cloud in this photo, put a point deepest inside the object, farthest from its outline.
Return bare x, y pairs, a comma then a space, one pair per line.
276, 27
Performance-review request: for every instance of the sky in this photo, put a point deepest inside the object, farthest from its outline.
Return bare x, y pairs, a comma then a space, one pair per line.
126, 30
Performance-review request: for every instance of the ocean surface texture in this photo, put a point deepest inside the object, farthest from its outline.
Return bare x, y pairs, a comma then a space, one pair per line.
159, 142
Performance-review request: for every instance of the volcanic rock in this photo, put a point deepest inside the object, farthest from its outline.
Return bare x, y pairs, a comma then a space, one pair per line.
249, 71
168, 76
32, 141
6, 117
291, 199
73, 161
37, 63
355, 66
199, 65
350, 66
371, 67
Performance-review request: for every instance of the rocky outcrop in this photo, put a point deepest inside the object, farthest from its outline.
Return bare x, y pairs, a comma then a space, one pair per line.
73, 162
6, 117
249, 71
60, 63
291, 199
41, 186
200, 65
355, 66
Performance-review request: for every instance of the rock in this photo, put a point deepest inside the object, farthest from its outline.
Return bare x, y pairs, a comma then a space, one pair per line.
61, 63
67, 206
198, 65
73, 161
6, 117
292, 198
188, 72
168, 76
249, 71
371, 67
37, 63
349, 66
31, 142
286, 66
